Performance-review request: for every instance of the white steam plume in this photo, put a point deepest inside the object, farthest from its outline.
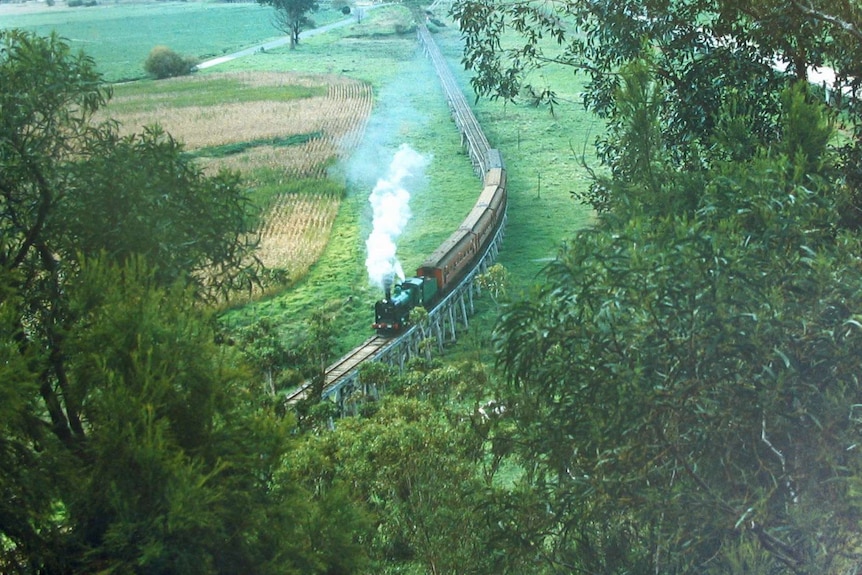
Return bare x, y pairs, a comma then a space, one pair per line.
391, 212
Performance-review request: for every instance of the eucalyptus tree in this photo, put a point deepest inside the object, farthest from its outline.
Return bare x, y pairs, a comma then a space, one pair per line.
705, 55
130, 441
681, 392
70, 186
411, 469
684, 389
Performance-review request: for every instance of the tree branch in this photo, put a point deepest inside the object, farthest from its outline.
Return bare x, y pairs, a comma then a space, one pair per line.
835, 21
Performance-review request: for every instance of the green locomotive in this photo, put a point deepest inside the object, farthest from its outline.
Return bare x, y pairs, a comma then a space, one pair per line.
392, 313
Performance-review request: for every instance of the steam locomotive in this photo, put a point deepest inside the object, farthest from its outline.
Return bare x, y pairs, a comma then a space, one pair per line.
448, 264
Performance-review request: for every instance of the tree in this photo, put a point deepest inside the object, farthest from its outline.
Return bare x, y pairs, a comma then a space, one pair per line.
412, 471
698, 365
130, 440
141, 194
182, 458
71, 187
30, 478
291, 16
318, 352
496, 282
163, 62
264, 347
701, 54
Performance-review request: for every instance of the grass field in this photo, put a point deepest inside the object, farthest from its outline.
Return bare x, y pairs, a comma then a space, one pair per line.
280, 130
542, 212
541, 152
120, 34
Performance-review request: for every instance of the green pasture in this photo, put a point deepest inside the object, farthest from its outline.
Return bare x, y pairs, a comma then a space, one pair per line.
120, 35
140, 96
375, 49
543, 152
545, 155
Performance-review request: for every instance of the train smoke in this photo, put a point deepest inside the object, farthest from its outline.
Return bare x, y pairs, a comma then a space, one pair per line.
391, 212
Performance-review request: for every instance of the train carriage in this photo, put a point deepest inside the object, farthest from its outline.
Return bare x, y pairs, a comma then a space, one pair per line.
457, 255
450, 259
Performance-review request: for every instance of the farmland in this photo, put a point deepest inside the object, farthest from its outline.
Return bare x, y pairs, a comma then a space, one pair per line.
280, 130
235, 115
120, 35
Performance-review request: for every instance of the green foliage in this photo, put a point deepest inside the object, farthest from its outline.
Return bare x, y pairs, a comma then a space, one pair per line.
72, 186
291, 16
183, 457
163, 62
317, 351
129, 441
141, 194
703, 56
408, 467
26, 476
697, 356
805, 131
49, 100
178, 457
263, 347
496, 282
742, 557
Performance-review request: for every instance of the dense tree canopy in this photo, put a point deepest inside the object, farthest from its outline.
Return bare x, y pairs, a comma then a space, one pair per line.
684, 387
130, 441
70, 187
683, 391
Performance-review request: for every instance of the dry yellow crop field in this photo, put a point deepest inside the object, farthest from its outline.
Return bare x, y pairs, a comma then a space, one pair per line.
296, 225
296, 230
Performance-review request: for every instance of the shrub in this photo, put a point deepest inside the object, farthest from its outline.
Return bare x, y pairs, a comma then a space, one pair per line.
165, 63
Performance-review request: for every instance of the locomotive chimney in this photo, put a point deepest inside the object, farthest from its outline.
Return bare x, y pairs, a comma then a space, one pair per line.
387, 287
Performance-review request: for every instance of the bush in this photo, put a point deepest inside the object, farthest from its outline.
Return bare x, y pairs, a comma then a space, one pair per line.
165, 63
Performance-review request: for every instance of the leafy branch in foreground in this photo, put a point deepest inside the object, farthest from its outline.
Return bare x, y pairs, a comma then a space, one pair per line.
698, 357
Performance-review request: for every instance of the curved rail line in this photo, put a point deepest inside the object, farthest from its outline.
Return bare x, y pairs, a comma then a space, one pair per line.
471, 132
341, 374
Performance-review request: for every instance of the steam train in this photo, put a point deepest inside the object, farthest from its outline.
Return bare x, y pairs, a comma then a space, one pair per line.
451, 261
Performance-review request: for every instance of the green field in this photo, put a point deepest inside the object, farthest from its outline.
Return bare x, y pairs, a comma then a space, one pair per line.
542, 151
409, 106
119, 36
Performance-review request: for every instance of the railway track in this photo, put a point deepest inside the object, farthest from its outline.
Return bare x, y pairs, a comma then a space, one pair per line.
471, 131
343, 366
343, 372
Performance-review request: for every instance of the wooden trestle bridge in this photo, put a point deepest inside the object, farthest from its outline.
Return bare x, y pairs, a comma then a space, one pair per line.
342, 377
